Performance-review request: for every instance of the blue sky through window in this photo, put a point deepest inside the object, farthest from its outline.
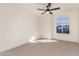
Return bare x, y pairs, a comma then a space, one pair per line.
62, 20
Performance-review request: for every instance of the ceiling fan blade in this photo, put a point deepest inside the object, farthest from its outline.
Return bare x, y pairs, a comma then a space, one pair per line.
50, 12
55, 8
48, 6
44, 12
41, 9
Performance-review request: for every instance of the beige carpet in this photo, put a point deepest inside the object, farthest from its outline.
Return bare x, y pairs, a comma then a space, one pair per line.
60, 48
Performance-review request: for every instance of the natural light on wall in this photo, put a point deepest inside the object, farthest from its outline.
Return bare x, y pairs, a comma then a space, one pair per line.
33, 40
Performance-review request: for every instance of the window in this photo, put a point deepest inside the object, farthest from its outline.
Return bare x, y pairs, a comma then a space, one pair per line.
62, 24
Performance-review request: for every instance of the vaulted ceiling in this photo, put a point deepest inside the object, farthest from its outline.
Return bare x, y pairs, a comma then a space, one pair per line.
64, 6
32, 7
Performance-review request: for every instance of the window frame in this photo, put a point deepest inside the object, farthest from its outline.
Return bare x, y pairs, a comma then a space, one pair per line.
64, 28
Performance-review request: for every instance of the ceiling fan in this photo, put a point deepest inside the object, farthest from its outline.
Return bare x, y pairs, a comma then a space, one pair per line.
48, 9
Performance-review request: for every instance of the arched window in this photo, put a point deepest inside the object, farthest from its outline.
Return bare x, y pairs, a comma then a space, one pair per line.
62, 24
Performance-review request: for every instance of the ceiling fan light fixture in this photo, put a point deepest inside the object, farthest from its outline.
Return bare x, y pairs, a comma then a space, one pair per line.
48, 9
47, 12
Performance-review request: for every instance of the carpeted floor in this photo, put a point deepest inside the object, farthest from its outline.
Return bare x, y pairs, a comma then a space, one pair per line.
60, 48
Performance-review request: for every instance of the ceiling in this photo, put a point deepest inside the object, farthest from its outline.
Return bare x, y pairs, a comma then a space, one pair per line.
64, 6
32, 7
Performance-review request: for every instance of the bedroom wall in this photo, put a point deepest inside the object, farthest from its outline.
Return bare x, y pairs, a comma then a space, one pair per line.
78, 23
45, 26
73, 36
18, 24
48, 26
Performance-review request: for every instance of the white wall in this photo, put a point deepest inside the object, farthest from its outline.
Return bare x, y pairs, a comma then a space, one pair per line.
78, 23
45, 26
48, 26
73, 36
17, 25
